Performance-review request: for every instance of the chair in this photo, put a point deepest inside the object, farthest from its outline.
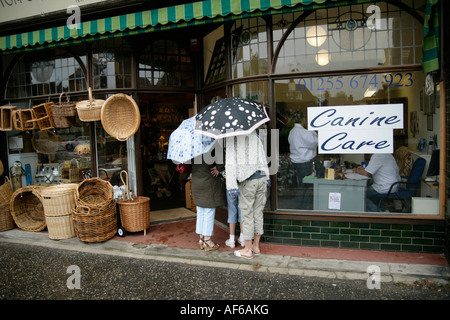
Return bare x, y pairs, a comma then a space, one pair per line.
407, 189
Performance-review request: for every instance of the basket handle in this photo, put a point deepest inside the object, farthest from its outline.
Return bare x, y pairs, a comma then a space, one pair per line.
127, 196
67, 97
90, 97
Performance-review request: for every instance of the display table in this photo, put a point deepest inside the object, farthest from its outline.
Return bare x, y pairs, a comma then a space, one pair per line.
339, 195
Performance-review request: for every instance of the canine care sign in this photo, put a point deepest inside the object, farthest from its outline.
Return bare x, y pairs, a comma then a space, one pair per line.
356, 129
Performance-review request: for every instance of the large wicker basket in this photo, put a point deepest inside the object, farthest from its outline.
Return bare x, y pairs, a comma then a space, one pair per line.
6, 192
27, 209
64, 113
90, 110
94, 192
95, 224
120, 116
6, 113
135, 214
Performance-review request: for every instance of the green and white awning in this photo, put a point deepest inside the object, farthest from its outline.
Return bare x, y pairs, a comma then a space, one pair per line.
189, 14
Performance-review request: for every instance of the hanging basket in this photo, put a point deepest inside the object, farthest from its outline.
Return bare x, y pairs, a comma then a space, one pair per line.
64, 113
134, 213
27, 209
23, 120
90, 110
6, 113
43, 116
6, 192
94, 192
120, 116
45, 142
95, 224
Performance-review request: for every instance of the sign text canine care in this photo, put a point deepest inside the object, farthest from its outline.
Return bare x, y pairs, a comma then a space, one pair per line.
356, 129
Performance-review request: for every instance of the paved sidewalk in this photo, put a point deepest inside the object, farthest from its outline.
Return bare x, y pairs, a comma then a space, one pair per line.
317, 262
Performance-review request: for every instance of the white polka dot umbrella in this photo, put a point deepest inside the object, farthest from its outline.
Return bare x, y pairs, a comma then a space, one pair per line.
185, 144
230, 117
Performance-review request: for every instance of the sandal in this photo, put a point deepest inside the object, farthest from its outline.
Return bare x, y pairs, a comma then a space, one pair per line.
208, 245
238, 254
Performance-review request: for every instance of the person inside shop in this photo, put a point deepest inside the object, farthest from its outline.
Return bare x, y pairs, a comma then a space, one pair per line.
383, 170
208, 193
303, 149
247, 173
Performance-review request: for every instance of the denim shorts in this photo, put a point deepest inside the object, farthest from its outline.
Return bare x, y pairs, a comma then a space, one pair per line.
234, 213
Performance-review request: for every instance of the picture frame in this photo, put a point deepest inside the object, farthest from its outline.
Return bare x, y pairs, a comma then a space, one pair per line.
430, 122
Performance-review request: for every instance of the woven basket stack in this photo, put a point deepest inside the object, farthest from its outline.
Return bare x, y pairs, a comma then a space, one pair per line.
58, 202
6, 220
94, 215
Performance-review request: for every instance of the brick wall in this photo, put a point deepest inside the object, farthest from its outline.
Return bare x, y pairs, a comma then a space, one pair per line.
355, 235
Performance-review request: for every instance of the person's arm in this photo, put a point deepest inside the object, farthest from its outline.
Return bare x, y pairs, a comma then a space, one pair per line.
362, 171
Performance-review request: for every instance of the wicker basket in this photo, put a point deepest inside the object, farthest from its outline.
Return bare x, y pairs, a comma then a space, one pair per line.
6, 118
43, 116
72, 173
135, 214
120, 116
90, 110
95, 224
27, 209
94, 192
6, 192
24, 120
59, 199
64, 113
45, 142
58, 202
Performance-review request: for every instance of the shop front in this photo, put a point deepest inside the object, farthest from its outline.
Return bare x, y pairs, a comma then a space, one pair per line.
352, 71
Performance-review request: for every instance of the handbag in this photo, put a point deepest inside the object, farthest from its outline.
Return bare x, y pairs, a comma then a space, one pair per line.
183, 168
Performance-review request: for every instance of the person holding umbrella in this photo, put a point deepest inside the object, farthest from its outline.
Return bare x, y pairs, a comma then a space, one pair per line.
208, 193
247, 173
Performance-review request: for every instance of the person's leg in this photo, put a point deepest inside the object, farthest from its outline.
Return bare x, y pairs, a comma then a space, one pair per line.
208, 229
258, 212
302, 170
246, 200
232, 218
199, 225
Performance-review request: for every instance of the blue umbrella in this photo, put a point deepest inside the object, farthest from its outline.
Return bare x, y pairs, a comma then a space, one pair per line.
185, 144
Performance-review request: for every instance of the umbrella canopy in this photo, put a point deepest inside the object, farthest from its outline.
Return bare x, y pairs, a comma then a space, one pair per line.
230, 117
185, 144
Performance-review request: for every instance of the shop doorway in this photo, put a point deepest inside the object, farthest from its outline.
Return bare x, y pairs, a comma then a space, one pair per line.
161, 114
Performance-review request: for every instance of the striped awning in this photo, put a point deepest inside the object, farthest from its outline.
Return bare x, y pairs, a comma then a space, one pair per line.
189, 14
430, 57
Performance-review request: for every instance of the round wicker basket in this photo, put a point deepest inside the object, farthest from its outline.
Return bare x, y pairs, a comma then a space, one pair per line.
94, 192
90, 110
95, 224
45, 142
27, 209
120, 116
6, 220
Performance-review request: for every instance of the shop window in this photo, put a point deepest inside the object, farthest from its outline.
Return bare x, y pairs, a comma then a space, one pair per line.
249, 48
416, 138
43, 73
345, 38
165, 63
216, 69
112, 64
48, 157
112, 156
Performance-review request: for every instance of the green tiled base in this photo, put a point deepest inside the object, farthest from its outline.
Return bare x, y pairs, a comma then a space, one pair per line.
355, 235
